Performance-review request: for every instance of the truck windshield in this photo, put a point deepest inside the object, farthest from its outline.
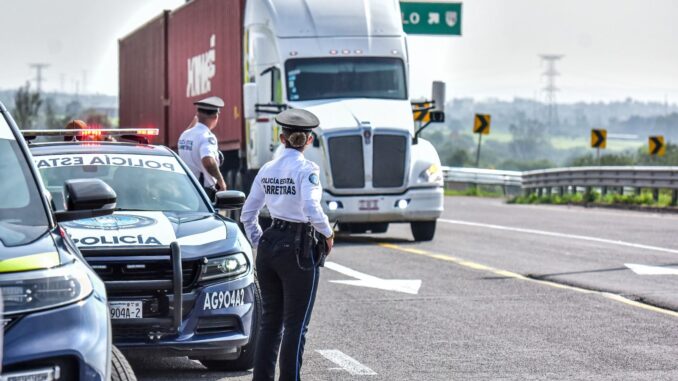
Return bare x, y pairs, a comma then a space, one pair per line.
345, 77
23, 217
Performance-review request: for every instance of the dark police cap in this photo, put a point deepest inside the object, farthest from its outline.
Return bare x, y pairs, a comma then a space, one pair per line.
210, 105
297, 119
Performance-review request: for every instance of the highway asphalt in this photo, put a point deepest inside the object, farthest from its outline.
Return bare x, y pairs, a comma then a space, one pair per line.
495, 301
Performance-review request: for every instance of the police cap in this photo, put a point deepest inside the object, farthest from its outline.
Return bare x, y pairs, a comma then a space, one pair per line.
209, 106
297, 119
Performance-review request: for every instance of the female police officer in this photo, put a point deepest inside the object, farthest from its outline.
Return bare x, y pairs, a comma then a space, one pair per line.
287, 271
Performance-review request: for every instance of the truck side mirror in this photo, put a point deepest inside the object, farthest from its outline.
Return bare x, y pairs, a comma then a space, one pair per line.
438, 95
86, 198
249, 94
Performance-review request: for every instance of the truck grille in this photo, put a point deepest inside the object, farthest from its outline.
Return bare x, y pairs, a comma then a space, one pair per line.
347, 162
388, 161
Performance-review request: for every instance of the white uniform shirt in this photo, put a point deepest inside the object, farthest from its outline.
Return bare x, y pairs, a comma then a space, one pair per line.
194, 144
290, 188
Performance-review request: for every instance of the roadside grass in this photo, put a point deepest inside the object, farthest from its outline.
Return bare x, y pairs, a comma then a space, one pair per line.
645, 198
475, 192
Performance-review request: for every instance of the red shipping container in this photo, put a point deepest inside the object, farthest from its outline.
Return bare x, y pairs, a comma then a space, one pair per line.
205, 59
142, 81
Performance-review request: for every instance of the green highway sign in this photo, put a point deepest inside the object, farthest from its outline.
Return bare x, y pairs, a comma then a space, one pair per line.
436, 18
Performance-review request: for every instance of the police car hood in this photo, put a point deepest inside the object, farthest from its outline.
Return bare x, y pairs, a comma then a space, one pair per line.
343, 113
196, 233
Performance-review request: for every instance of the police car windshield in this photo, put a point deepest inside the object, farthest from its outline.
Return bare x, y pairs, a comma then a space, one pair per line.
345, 77
141, 182
23, 217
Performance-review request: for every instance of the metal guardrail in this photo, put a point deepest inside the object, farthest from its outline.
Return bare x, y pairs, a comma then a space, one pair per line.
636, 177
482, 176
571, 179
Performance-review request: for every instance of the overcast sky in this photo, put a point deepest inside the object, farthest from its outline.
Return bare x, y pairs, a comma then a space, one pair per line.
613, 48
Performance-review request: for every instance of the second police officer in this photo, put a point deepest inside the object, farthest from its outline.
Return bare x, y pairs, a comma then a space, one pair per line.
289, 252
198, 146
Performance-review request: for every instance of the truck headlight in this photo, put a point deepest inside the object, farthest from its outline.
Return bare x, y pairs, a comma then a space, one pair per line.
31, 291
224, 267
432, 174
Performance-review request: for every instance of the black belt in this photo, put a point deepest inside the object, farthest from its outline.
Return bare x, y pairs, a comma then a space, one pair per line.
284, 225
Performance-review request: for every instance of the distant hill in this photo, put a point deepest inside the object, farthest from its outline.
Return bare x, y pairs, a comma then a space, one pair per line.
61, 101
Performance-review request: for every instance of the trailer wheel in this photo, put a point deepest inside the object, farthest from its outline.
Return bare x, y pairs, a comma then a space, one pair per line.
246, 359
120, 368
423, 230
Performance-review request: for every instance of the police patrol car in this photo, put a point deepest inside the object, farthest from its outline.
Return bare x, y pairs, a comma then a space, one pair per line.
179, 276
53, 312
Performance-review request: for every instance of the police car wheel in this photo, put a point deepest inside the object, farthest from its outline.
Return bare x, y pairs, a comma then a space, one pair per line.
423, 230
120, 368
246, 359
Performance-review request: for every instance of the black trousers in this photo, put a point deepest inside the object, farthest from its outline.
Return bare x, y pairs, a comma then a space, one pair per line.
287, 293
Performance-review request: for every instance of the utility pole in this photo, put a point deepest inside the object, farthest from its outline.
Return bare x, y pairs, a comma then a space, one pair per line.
39, 79
84, 81
551, 89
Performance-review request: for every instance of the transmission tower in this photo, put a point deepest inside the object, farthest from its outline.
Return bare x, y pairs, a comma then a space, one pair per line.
39, 67
550, 89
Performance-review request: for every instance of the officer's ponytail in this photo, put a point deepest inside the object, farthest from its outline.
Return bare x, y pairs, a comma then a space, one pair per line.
295, 139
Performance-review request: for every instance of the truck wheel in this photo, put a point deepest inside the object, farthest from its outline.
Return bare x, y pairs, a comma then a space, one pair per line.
230, 179
423, 230
246, 359
244, 179
379, 227
120, 368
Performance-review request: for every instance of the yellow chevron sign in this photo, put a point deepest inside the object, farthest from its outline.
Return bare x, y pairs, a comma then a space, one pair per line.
657, 145
423, 116
598, 138
481, 124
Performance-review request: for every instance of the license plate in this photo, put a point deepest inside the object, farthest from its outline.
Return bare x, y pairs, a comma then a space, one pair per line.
367, 205
126, 310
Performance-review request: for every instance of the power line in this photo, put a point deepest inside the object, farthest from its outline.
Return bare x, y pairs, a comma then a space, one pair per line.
551, 89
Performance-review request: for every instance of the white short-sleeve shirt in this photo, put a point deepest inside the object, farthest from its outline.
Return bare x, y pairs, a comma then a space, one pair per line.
195, 144
290, 187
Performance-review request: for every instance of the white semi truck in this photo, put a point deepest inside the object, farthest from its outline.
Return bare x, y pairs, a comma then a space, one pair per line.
346, 61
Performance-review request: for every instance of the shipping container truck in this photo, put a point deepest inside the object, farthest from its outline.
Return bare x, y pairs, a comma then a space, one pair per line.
346, 61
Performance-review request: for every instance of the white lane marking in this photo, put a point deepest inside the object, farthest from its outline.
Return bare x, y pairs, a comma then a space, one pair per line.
346, 362
651, 270
562, 235
408, 286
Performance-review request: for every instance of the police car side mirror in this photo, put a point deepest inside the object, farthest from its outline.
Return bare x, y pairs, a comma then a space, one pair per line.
229, 200
86, 198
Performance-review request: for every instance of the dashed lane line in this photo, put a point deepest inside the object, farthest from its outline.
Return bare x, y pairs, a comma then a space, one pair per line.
346, 362
510, 274
561, 235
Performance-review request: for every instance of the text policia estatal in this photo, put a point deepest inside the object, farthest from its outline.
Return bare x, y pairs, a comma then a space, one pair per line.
114, 160
274, 185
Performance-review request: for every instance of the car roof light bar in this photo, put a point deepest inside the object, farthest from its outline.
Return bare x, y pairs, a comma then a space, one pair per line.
92, 131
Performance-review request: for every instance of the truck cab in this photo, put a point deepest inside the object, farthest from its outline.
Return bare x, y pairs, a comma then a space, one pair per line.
347, 63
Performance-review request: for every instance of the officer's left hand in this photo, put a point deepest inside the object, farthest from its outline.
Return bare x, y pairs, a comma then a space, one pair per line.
330, 244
